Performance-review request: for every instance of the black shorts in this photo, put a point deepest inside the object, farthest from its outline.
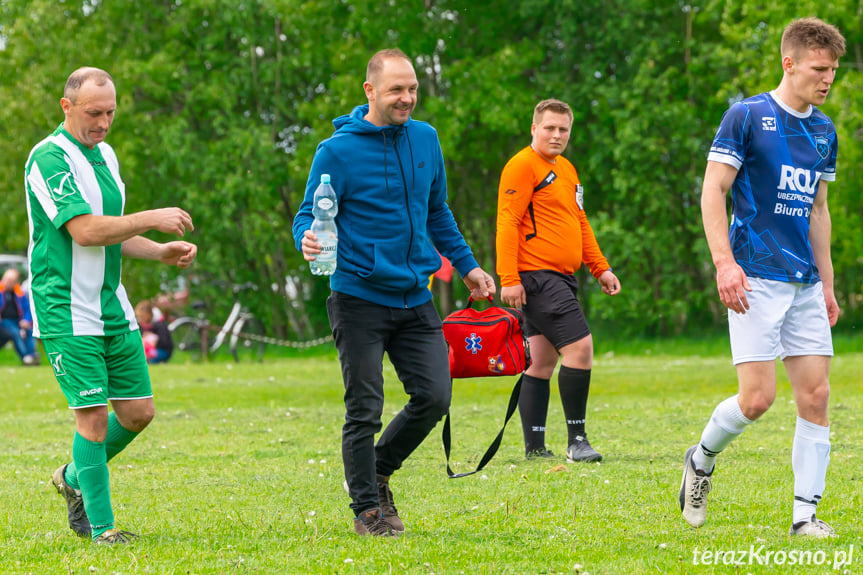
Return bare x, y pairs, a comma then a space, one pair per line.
552, 308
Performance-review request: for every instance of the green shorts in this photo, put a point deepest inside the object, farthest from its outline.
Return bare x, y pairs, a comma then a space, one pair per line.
94, 369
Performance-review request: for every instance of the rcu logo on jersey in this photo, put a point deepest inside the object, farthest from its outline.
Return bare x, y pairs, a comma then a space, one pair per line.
768, 124
798, 180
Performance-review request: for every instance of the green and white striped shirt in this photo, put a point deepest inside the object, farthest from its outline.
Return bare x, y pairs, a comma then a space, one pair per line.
76, 290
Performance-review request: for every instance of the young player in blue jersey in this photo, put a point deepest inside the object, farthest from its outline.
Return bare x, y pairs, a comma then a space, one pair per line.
776, 152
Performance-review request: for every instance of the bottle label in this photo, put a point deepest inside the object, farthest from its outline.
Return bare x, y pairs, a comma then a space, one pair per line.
325, 203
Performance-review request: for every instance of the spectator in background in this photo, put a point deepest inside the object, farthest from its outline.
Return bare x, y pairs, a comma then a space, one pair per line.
158, 345
16, 319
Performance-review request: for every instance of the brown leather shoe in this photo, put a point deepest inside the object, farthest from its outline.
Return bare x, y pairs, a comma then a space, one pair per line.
371, 522
388, 506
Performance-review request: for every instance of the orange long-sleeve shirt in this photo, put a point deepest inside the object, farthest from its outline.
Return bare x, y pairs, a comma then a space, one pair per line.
541, 223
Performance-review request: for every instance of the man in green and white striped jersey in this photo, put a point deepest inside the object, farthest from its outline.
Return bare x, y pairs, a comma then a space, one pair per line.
78, 233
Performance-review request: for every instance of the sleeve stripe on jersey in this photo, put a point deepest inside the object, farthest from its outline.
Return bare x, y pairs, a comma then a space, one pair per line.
724, 159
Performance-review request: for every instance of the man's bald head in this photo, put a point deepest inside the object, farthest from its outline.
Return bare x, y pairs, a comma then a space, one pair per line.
376, 63
80, 76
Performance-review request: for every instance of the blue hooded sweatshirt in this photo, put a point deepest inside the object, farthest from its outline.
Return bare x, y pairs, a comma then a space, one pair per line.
392, 212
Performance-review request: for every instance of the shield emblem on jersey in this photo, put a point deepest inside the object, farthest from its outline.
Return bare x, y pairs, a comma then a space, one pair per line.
822, 146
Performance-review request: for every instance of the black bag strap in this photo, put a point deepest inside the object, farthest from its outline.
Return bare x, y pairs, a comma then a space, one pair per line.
492, 449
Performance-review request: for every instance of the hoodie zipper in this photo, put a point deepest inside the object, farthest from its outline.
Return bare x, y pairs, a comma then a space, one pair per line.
408, 207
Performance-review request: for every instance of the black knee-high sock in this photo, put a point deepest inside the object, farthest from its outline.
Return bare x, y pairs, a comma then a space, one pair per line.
533, 408
574, 386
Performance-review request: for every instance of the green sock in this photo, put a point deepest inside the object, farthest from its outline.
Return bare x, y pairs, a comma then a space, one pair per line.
92, 469
118, 437
116, 441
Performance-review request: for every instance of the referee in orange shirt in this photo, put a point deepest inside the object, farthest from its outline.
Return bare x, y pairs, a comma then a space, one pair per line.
543, 237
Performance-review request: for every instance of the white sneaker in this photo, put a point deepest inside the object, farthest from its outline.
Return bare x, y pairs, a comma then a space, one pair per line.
694, 488
813, 528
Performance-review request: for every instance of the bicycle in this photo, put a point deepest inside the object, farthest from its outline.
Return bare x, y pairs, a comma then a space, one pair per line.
243, 331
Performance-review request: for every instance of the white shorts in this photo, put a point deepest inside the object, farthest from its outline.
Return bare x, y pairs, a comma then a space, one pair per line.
784, 319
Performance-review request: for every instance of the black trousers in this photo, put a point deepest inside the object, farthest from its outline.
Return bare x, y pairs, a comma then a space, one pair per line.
413, 340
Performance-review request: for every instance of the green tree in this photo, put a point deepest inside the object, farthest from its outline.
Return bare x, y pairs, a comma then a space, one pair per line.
221, 105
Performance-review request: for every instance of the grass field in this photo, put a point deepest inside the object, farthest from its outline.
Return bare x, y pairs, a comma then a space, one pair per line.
241, 472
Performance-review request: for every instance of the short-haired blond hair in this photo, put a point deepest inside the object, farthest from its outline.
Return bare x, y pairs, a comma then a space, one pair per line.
80, 76
811, 34
376, 62
551, 105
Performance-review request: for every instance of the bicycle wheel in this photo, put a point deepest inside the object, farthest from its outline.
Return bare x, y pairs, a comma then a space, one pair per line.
246, 339
186, 333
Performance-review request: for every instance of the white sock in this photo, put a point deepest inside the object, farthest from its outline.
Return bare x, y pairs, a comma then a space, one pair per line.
810, 456
726, 423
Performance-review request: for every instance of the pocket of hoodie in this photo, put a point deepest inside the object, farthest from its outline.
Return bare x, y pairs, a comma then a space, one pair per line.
390, 266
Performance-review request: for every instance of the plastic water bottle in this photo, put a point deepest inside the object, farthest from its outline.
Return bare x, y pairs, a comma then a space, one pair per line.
325, 208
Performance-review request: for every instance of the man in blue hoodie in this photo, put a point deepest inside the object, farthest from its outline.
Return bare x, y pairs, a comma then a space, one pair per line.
388, 174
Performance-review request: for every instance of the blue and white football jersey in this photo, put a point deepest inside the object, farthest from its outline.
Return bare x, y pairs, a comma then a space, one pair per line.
781, 156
